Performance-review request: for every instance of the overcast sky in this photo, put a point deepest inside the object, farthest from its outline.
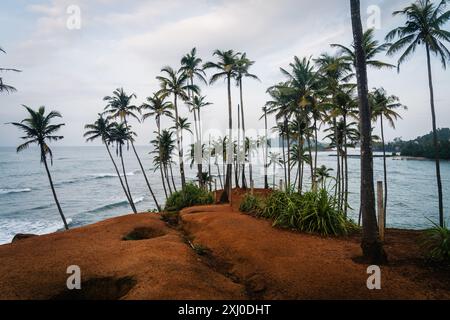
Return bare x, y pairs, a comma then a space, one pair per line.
125, 44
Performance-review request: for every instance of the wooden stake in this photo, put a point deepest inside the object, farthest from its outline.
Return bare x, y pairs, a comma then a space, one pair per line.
380, 209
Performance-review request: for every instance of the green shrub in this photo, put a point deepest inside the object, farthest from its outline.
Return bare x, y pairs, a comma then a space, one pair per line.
320, 215
252, 204
190, 196
436, 241
312, 212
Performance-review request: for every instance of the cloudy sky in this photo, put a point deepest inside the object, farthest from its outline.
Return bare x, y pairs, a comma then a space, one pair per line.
125, 44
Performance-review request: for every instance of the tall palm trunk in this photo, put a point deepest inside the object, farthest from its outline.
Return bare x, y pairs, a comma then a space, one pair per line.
158, 123
311, 163
171, 175
384, 169
226, 194
345, 202
315, 148
179, 144
198, 137
125, 176
435, 140
286, 126
44, 159
166, 173
244, 182
120, 179
371, 246
284, 160
237, 169
266, 147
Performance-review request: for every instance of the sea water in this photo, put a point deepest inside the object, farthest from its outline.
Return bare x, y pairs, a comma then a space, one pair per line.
89, 190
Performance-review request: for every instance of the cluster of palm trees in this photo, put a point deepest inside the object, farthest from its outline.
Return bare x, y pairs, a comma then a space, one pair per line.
321, 94
328, 93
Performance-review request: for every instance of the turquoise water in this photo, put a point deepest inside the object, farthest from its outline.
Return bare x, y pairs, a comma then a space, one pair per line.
89, 191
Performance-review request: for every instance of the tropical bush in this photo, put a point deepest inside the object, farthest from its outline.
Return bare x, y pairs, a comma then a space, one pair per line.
312, 212
190, 196
252, 204
436, 241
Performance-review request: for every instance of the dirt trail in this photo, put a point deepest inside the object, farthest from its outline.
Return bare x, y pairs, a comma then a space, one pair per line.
279, 264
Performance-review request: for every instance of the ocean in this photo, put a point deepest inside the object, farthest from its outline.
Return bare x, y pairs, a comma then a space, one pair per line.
89, 190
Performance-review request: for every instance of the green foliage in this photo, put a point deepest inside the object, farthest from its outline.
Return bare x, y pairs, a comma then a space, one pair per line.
312, 212
190, 196
436, 241
422, 146
252, 204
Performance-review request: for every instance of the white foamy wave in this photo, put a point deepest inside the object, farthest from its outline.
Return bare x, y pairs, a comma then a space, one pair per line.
110, 175
7, 191
10, 227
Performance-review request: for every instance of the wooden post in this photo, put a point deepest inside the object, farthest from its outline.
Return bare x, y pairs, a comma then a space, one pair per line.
380, 209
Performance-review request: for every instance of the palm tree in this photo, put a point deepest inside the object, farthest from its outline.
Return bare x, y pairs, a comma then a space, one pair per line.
175, 84
38, 130
119, 106
158, 107
384, 106
371, 48
243, 65
120, 135
164, 145
423, 26
102, 129
266, 151
4, 87
226, 67
371, 245
195, 105
322, 174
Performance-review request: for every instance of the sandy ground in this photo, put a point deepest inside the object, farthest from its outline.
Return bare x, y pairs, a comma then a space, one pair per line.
236, 257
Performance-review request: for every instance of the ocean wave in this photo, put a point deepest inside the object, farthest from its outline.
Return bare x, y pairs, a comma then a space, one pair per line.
7, 191
94, 176
119, 203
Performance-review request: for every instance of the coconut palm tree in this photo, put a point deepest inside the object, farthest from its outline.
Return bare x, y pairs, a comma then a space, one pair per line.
101, 129
384, 107
226, 67
423, 26
243, 65
158, 107
164, 145
371, 245
4, 87
39, 130
322, 174
121, 135
266, 146
195, 104
175, 84
119, 105
371, 47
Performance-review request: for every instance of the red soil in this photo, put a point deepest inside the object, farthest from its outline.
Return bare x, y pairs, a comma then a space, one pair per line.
242, 258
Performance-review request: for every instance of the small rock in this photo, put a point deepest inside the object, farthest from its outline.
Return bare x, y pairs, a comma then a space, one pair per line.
22, 236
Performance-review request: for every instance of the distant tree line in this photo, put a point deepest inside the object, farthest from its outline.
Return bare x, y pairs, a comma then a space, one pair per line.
420, 147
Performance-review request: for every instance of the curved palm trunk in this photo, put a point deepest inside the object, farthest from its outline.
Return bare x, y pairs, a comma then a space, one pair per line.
125, 177
371, 246
435, 141
120, 179
219, 174
384, 170
44, 159
226, 194
145, 176
179, 145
